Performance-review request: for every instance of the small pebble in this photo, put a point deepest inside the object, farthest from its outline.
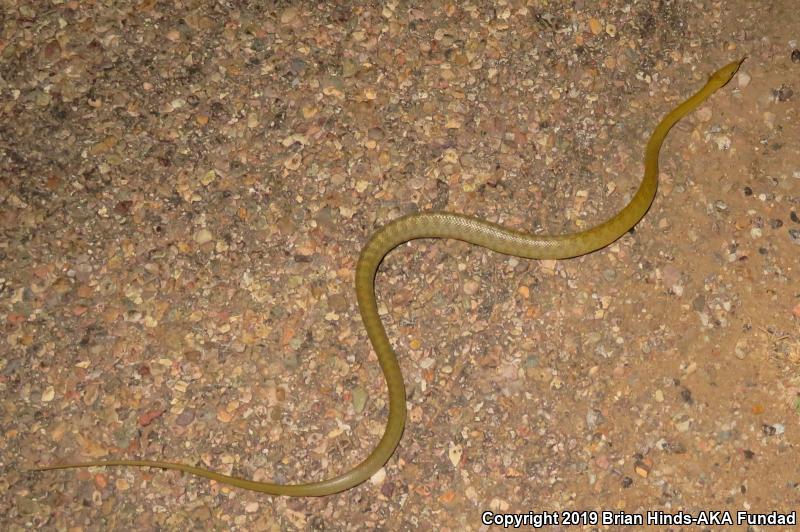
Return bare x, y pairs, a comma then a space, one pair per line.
359, 399
185, 418
48, 394
723, 436
378, 477
471, 287
202, 236
670, 275
642, 468
699, 303
783, 94
288, 15
704, 114
594, 418
454, 453
743, 79
251, 507
723, 142
741, 349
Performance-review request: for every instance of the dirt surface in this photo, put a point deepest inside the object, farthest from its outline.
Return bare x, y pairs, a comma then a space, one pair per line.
184, 191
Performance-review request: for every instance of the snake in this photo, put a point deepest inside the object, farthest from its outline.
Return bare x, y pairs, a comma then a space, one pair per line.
469, 229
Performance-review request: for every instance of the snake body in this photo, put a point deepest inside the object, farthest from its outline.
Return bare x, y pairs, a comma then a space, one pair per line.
475, 231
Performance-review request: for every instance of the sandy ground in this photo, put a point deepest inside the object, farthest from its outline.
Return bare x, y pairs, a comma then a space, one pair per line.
184, 190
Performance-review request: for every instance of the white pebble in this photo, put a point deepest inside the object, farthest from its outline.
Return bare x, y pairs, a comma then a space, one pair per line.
723, 142
379, 476
743, 79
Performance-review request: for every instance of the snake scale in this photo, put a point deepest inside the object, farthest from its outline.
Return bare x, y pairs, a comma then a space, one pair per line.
475, 231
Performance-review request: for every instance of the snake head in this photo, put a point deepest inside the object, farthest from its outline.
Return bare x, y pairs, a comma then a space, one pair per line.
722, 76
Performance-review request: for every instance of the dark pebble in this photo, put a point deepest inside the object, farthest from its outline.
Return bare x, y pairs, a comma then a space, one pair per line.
748, 191
794, 234
796, 55
794, 218
776, 223
686, 395
185, 418
724, 435
627, 482
317, 522
674, 447
297, 66
387, 490
783, 94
